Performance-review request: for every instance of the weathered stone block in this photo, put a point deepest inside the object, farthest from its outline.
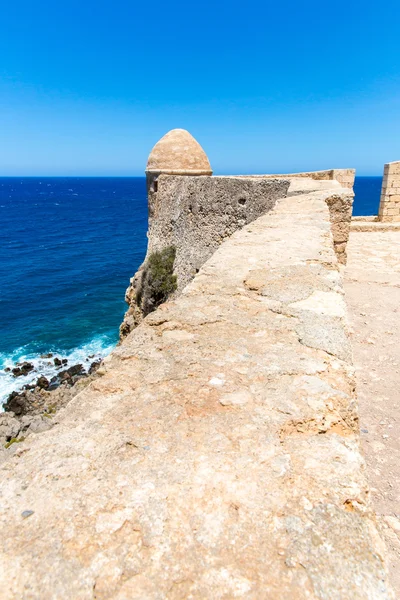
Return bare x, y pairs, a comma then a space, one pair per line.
340, 210
340, 232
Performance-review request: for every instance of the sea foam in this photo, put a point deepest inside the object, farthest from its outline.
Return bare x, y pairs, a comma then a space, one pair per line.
97, 348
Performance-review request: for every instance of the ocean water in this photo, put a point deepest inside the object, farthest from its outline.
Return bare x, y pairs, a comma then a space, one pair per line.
68, 247
367, 195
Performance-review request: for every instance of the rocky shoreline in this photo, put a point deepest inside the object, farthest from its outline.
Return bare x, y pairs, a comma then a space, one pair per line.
32, 409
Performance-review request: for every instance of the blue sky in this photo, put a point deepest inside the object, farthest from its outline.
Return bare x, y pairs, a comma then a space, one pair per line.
87, 88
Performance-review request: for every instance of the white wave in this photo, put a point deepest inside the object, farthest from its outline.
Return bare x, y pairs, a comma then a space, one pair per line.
97, 348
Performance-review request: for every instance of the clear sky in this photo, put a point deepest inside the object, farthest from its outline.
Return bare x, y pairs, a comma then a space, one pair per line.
87, 87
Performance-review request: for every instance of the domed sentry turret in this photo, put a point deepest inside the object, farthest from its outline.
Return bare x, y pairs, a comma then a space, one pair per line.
177, 153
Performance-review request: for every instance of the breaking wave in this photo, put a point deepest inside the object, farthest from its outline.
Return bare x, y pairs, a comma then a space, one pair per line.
96, 348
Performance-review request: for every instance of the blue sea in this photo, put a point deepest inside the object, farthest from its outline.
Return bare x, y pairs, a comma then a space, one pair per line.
69, 246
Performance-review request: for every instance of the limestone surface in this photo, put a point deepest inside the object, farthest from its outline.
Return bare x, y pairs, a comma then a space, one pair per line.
217, 455
372, 285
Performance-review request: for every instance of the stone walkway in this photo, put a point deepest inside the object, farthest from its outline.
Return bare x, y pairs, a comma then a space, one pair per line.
372, 285
217, 455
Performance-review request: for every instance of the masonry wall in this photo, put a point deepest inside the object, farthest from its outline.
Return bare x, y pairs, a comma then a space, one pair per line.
389, 207
195, 215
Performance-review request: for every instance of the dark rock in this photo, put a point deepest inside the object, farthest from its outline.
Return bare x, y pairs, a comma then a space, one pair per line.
27, 513
54, 383
7, 369
57, 362
26, 367
76, 370
64, 361
22, 369
49, 355
94, 366
17, 403
42, 382
64, 375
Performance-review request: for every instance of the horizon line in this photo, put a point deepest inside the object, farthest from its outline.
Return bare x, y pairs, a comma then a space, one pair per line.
291, 173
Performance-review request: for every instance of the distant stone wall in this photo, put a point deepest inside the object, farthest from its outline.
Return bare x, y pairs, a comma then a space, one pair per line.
217, 455
194, 215
344, 176
389, 207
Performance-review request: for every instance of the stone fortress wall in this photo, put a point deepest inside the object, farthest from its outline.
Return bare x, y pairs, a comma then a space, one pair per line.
216, 455
195, 213
344, 176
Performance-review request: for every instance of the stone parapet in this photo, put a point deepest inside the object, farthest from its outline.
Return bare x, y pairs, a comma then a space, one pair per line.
344, 176
217, 456
389, 207
340, 204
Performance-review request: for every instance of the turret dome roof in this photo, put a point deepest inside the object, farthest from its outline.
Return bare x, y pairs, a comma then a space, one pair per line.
178, 153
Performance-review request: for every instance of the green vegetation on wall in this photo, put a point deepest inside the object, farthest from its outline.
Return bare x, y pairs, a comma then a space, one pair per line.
158, 280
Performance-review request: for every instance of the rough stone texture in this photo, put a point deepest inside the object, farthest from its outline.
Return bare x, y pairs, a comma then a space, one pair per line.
344, 176
371, 218
195, 215
35, 410
340, 209
373, 225
372, 284
340, 206
217, 456
178, 153
389, 207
